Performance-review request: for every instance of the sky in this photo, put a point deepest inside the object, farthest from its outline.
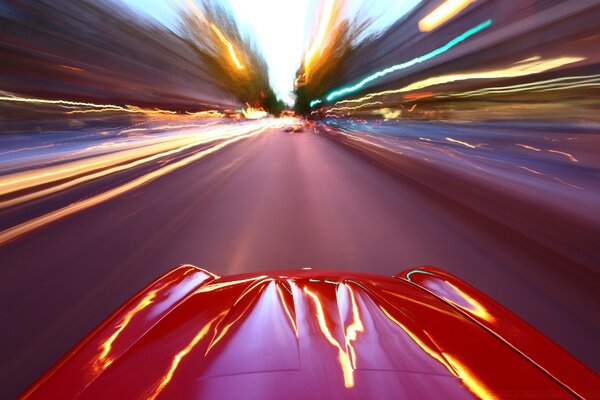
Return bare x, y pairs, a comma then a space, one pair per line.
282, 28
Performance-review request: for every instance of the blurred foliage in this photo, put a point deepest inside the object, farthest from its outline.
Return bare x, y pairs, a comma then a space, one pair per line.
103, 52
330, 64
233, 60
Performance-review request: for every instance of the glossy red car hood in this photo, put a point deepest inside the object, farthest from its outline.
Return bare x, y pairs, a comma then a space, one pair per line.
308, 334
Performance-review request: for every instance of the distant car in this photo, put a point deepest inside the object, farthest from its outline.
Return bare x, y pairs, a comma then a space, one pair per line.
293, 128
308, 334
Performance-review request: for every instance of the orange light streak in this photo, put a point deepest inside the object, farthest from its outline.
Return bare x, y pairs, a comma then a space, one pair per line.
470, 379
71, 68
343, 356
220, 285
90, 107
443, 13
353, 329
179, 356
418, 96
568, 155
25, 227
323, 25
476, 307
528, 147
254, 113
194, 9
123, 160
517, 69
102, 362
228, 44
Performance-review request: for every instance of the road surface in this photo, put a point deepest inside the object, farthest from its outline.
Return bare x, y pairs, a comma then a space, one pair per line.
269, 201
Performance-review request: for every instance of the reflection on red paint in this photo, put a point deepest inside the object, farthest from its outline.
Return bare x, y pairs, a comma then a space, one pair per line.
343, 357
179, 356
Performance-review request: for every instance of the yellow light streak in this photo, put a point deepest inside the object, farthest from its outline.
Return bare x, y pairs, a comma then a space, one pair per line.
254, 113
460, 142
374, 103
84, 170
228, 44
564, 83
194, 9
389, 113
323, 25
220, 285
128, 109
516, 70
343, 356
206, 114
90, 107
470, 379
20, 99
179, 356
443, 13
354, 328
103, 361
25, 227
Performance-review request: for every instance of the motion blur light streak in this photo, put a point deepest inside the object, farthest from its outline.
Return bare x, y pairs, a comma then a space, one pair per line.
84, 170
443, 13
440, 50
528, 147
234, 56
21, 229
373, 103
519, 69
16, 98
539, 86
274, 135
324, 23
563, 153
460, 142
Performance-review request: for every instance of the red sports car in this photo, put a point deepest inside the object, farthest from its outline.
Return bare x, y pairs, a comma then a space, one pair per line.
307, 334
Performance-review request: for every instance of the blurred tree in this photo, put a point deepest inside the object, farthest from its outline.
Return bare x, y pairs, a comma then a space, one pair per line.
233, 60
328, 66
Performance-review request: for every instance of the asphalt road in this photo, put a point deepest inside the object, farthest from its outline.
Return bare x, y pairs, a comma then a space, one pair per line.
270, 201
